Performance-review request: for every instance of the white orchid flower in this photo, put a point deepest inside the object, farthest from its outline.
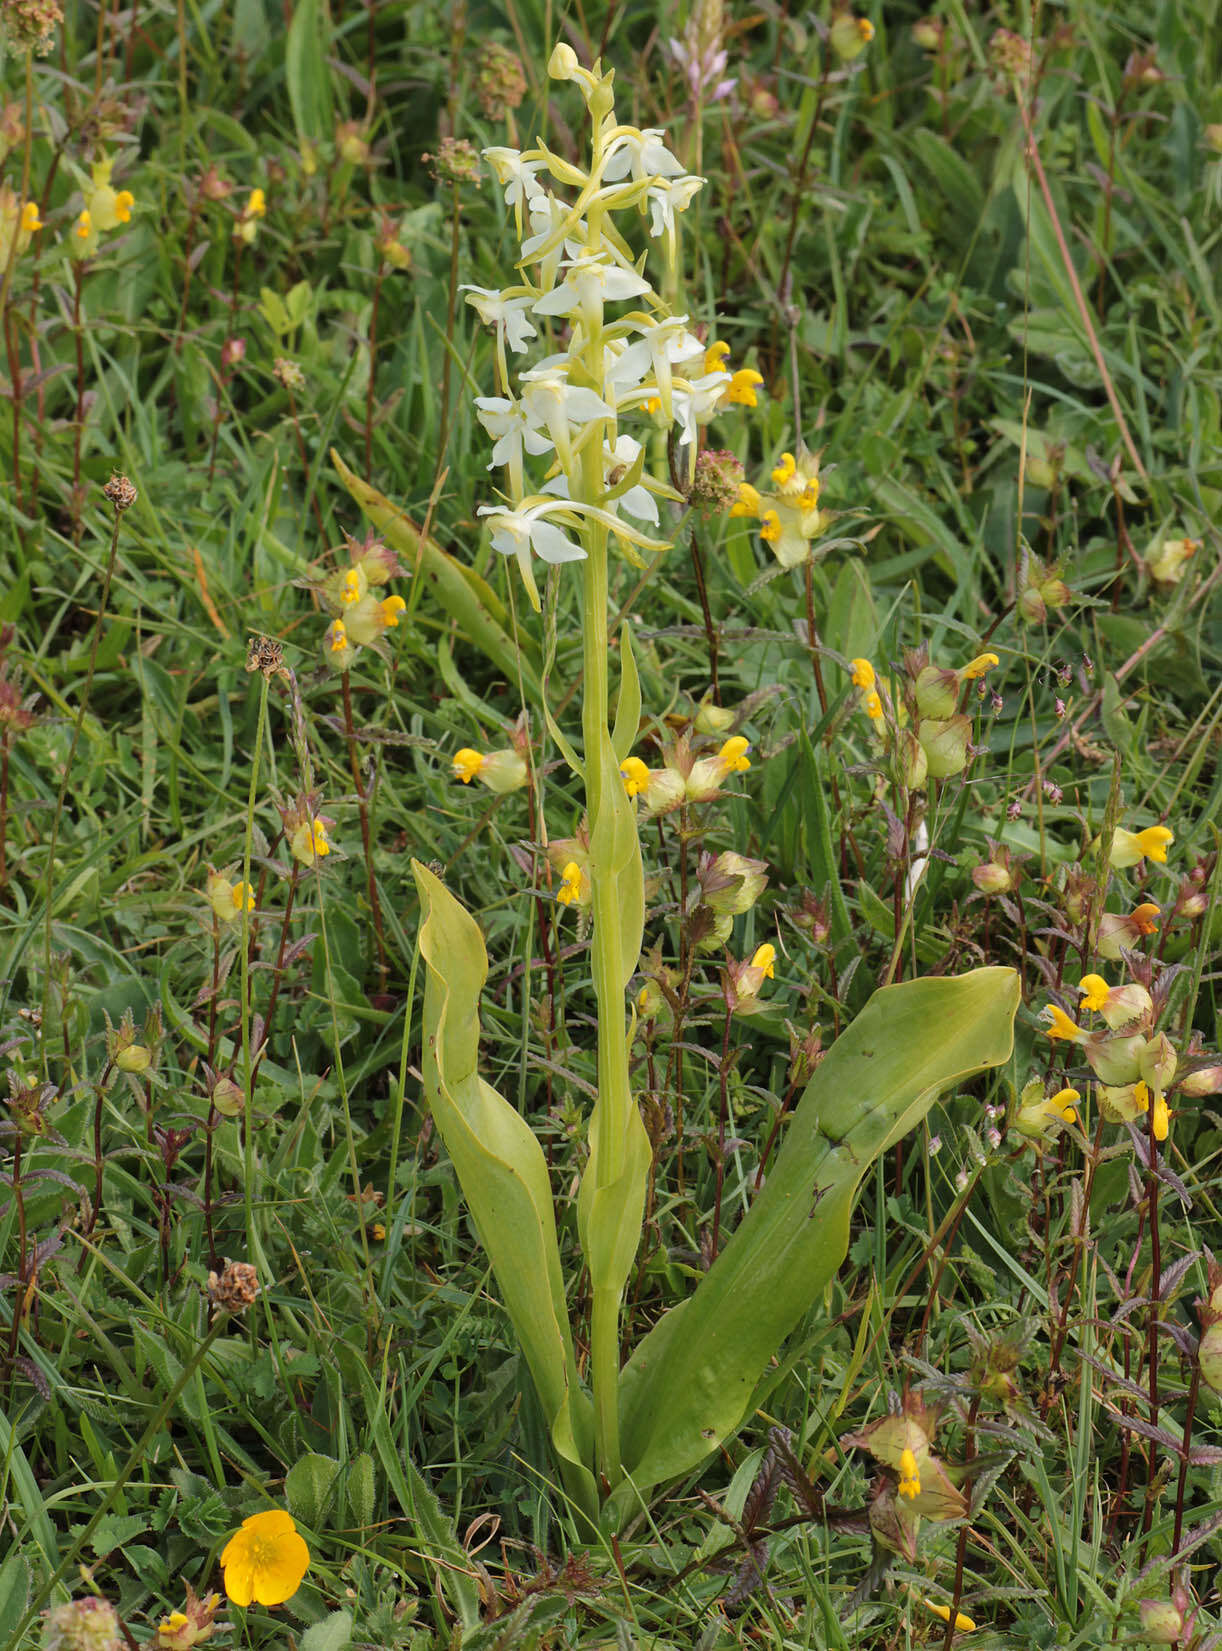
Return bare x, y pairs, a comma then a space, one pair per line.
695, 402
666, 198
643, 154
555, 230
588, 284
519, 529
506, 311
516, 173
662, 346
506, 422
637, 500
551, 403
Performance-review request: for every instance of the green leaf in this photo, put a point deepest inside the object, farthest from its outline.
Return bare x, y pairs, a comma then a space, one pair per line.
305, 69
689, 1385
501, 1170
308, 1485
361, 1489
628, 707
333, 1633
14, 1592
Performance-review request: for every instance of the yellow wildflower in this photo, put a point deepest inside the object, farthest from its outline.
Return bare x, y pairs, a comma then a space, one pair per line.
467, 764
84, 225
963, 1624
228, 900
570, 885
338, 637
390, 609
742, 387
748, 503
351, 588
1160, 1118
1060, 1025
715, 357
977, 667
733, 755
770, 526
1038, 1113
862, 673
635, 776
256, 206
1130, 847
309, 843
764, 958
30, 221
910, 1479
873, 706
265, 1561
785, 472
1095, 991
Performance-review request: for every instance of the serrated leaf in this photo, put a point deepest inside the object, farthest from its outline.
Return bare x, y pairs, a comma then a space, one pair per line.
360, 1488
333, 1633
308, 1485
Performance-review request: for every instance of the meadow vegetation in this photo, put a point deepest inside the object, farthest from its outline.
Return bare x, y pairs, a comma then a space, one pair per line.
799, 696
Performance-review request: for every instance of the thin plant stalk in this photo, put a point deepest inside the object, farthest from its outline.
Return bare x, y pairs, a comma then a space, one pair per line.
362, 803
606, 964
254, 1249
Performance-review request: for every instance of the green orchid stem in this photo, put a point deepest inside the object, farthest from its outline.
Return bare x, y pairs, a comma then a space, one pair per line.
613, 1091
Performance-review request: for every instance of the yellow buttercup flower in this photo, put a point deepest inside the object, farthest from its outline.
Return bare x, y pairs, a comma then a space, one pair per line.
1130, 847
265, 1561
910, 1479
748, 502
862, 673
764, 958
770, 526
467, 764
635, 776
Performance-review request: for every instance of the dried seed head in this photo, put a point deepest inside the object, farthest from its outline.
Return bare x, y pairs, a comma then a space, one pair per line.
265, 654
120, 492
30, 25
236, 1287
